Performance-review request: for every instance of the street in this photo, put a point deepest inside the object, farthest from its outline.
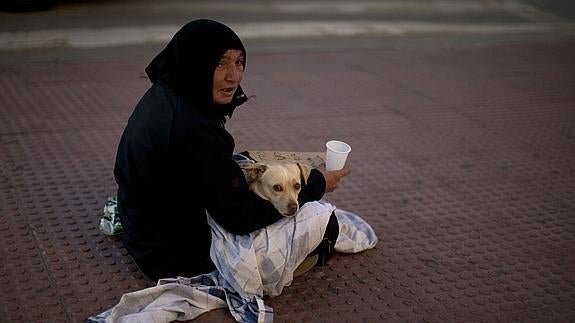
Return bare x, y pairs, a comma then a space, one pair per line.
460, 115
116, 29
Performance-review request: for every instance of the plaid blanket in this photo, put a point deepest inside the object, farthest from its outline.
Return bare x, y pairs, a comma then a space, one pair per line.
248, 268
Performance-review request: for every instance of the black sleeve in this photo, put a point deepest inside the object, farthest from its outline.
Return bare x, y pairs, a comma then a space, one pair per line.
228, 198
313, 189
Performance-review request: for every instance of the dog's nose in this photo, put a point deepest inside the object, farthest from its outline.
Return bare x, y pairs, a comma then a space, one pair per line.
292, 208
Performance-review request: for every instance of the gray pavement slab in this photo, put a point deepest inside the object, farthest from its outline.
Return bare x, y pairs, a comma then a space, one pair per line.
284, 26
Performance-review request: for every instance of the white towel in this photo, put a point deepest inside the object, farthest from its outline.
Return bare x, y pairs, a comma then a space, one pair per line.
262, 262
249, 267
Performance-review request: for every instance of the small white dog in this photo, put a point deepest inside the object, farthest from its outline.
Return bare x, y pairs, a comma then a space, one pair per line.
278, 183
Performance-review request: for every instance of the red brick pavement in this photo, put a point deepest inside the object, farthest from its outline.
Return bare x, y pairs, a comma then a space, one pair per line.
463, 162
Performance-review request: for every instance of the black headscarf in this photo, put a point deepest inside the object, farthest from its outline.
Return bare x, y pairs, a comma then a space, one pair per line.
188, 62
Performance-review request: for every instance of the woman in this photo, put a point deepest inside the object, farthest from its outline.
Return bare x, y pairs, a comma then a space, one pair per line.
174, 160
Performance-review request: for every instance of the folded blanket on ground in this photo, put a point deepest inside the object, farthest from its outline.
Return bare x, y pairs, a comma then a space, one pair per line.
249, 267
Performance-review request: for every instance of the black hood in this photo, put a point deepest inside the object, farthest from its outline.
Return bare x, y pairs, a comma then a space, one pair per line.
188, 63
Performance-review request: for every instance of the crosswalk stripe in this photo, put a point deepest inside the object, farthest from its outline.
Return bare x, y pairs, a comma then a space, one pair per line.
115, 36
319, 8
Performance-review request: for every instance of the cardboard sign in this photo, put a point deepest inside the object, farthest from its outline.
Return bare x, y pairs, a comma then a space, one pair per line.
314, 159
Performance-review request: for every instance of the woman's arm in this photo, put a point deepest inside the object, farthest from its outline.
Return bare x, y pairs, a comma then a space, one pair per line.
313, 189
227, 196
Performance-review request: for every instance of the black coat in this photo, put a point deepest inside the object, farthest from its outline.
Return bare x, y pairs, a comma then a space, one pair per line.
174, 162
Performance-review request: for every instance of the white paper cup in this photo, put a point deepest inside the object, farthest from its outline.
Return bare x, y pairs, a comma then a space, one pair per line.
336, 154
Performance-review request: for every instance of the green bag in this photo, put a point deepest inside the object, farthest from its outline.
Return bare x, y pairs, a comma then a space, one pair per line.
110, 222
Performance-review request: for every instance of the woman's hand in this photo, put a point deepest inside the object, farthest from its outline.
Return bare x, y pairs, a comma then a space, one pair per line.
332, 178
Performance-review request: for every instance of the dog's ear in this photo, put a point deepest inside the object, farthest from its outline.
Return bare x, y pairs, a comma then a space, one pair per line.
305, 171
253, 171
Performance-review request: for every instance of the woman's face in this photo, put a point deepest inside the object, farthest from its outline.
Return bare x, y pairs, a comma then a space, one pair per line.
227, 77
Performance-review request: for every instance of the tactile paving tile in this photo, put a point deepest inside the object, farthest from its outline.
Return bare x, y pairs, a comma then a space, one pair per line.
27, 288
462, 162
62, 203
60, 177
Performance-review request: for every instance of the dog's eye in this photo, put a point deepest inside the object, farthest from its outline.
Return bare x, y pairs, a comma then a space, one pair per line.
297, 186
278, 188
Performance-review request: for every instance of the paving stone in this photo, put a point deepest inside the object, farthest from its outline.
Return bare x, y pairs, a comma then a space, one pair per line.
462, 160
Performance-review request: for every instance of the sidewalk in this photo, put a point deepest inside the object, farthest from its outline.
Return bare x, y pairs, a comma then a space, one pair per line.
463, 162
